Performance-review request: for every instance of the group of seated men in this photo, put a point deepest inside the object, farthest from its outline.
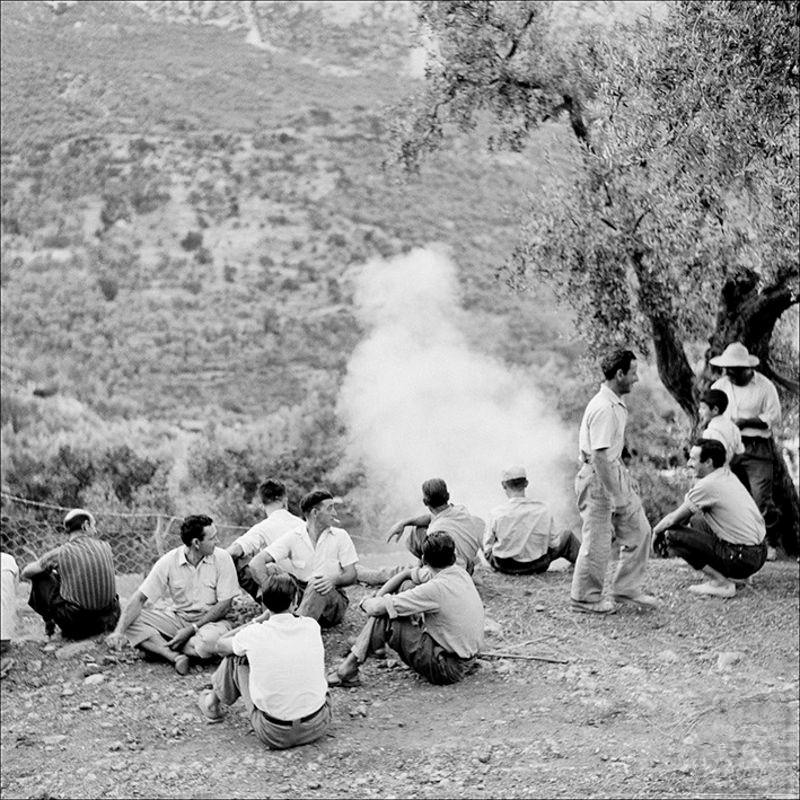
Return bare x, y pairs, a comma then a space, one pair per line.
430, 614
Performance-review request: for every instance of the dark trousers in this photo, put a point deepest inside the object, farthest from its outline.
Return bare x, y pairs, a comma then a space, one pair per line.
756, 464
246, 580
700, 547
568, 548
415, 646
75, 622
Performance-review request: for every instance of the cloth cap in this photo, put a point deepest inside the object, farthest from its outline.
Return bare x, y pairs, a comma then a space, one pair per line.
513, 473
734, 355
77, 512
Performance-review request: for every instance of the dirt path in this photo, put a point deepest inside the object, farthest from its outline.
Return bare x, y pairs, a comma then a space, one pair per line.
697, 699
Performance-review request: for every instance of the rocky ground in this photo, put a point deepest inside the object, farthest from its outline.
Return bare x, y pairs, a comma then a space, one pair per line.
697, 699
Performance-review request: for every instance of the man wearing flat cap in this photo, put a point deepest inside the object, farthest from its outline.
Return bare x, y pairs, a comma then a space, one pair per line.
521, 538
73, 586
754, 407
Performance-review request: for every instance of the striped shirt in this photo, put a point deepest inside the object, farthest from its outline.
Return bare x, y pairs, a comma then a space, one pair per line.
86, 568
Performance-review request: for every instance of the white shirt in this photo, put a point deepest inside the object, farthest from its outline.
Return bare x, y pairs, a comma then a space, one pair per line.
522, 528
193, 589
287, 665
759, 398
603, 425
8, 596
723, 430
264, 533
334, 552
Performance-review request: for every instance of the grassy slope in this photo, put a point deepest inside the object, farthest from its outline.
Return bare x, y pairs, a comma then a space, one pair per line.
220, 125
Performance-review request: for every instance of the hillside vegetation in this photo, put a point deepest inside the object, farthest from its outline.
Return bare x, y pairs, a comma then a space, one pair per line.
182, 213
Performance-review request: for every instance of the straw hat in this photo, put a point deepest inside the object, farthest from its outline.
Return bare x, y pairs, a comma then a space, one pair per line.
734, 355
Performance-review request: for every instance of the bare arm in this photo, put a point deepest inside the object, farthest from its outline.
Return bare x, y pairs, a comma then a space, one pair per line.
216, 612
396, 531
674, 518
607, 474
40, 566
258, 565
133, 608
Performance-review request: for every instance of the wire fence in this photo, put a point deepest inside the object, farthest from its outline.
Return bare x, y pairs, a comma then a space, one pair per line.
28, 529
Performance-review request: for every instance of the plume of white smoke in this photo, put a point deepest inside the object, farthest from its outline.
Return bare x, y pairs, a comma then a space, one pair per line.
419, 403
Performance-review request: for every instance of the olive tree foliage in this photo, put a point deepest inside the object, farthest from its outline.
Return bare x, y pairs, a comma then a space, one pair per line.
679, 221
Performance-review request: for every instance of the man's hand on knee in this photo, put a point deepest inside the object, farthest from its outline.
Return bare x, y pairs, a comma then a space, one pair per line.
321, 584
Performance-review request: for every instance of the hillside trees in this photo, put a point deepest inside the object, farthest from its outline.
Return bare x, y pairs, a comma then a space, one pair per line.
679, 221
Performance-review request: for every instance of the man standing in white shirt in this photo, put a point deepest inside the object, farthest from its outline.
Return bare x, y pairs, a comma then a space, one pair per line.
754, 407
277, 667
521, 537
608, 505
322, 560
278, 520
725, 537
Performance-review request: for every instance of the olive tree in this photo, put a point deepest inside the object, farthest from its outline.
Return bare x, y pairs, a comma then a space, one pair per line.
679, 221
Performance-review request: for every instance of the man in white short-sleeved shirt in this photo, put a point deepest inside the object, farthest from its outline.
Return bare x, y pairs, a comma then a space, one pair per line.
321, 557
278, 520
725, 536
277, 667
200, 579
754, 407
607, 502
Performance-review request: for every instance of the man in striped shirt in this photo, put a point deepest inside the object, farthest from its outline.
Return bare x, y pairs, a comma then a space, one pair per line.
73, 586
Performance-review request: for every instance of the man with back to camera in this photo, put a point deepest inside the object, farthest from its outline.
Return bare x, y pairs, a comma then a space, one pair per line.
608, 505
278, 520
322, 560
441, 649
465, 528
521, 538
754, 407
725, 536
200, 579
277, 667
73, 585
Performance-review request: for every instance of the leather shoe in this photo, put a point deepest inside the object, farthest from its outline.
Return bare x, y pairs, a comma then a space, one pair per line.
601, 607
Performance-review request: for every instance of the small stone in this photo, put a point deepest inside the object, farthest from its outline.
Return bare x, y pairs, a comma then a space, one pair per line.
491, 627
114, 746
75, 649
55, 739
94, 680
35, 666
540, 608
85, 706
314, 785
667, 656
728, 659
485, 758
67, 692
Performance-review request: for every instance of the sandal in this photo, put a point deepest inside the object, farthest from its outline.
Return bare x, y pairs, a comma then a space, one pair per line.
343, 681
206, 711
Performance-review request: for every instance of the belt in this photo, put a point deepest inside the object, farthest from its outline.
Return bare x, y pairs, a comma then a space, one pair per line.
289, 723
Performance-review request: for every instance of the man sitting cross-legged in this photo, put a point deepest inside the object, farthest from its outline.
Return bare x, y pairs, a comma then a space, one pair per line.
443, 647
521, 538
321, 558
201, 580
726, 537
277, 667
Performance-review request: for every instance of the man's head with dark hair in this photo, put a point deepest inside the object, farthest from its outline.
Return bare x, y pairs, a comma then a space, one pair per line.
434, 493
77, 518
715, 398
615, 361
439, 550
712, 450
279, 592
312, 500
705, 456
271, 491
193, 527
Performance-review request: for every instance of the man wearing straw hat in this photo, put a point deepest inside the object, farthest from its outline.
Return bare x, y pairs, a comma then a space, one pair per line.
754, 407
73, 586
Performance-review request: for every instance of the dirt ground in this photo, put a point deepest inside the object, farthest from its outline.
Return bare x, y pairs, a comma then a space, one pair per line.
696, 699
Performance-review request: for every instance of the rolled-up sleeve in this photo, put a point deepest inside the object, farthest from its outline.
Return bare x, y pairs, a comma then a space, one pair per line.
772, 406
227, 582
155, 584
347, 551
281, 547
425, 597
